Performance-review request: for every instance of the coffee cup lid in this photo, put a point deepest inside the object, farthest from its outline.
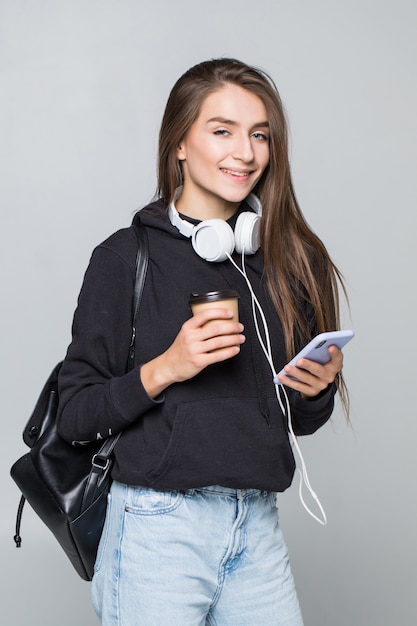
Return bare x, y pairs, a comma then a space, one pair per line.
213, 296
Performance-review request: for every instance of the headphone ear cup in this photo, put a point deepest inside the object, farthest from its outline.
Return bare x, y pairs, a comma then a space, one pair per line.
213, 239
247, 233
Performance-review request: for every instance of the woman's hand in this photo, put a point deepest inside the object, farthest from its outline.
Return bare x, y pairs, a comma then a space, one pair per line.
197, 345
312, 377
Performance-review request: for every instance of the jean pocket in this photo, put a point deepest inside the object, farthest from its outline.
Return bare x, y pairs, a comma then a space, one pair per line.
145, 501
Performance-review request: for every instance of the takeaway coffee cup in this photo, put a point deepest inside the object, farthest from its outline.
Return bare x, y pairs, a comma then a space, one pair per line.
226, 298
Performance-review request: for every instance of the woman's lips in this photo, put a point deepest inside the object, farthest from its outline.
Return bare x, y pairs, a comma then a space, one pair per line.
236, 173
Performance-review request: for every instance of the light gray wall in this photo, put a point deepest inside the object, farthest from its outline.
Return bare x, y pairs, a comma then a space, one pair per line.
83, 85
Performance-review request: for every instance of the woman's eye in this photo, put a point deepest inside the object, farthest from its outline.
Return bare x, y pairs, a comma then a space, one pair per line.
261, 136
221, 131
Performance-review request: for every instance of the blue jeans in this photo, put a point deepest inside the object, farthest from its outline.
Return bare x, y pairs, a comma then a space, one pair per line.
211, 556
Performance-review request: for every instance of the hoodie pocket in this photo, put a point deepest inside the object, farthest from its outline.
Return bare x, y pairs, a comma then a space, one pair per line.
224, 441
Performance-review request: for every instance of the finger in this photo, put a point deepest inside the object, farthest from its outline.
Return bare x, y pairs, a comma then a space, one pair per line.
314, 374
305, 366
210, 314
299, 374
222, 354
220, 342
305, 383
327, 370
216, 328
336, 356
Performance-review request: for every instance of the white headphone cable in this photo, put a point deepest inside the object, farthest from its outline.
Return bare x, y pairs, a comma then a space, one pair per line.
286, 410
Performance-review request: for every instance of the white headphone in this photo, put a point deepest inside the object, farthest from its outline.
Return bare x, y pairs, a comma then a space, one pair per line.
213, 240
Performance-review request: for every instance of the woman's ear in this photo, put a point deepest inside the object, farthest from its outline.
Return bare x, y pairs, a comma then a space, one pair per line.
181, 152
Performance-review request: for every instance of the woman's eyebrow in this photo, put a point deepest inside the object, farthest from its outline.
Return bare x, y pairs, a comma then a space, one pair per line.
224, 120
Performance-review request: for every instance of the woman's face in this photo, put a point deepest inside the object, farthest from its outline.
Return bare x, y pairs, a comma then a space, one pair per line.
224, 154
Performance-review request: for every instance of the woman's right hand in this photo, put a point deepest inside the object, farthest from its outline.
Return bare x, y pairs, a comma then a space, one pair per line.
197, 345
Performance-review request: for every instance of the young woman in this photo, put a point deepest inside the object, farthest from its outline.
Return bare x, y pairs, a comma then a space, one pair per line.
192, 535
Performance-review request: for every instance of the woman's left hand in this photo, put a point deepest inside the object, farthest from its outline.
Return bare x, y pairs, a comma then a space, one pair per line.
312, 377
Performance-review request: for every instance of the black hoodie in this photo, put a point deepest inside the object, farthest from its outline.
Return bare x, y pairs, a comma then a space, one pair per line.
223, 426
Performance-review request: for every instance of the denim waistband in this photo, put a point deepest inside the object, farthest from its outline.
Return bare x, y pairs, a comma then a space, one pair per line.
218, 490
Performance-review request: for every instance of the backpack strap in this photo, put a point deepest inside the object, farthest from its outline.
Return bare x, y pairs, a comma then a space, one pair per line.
142, 259
101, 459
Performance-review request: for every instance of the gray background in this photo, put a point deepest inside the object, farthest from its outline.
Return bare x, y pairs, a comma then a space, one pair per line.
83, 86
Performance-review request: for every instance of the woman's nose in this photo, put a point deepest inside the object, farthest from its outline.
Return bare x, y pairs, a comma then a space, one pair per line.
243, 149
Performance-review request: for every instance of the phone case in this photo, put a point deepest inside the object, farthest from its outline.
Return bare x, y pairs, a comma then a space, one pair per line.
317, 348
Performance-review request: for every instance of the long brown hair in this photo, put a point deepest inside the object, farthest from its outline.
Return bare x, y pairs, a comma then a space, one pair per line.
298, 268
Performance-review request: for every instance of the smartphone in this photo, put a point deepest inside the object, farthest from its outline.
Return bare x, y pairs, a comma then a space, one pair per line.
317, 348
